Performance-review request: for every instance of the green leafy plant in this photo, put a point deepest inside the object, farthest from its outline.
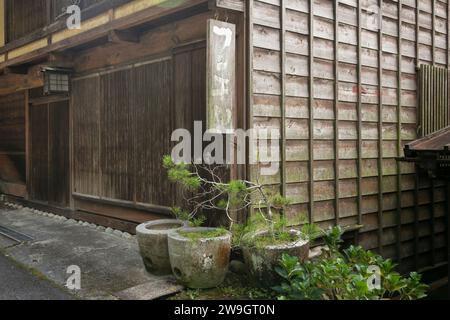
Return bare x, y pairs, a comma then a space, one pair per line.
184, 215
344, 275
252, 234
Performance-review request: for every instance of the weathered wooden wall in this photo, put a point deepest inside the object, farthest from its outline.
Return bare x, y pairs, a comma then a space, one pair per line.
123, 122
12, 144
58, 7
26, 16
49, 153
157, 88
344, 96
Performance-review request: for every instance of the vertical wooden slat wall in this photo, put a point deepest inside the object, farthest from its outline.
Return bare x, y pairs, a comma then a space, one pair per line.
49, 177
435, 114
343, 89
12, 142
58, 7
58, 153
24, 16
39, 175
123, 122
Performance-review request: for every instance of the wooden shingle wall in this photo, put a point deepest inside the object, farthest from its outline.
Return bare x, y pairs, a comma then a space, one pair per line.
342, 90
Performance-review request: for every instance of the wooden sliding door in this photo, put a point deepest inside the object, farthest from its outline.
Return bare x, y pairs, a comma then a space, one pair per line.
49, 153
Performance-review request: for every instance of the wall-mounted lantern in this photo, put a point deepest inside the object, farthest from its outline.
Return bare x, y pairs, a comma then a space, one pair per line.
56, 80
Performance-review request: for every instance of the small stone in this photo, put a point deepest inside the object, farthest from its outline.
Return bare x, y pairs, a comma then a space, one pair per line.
80, 222
86, 224
71, 221
93, 226
118, 233
100, 228
109, 230
316, 252
126, 235
51, 215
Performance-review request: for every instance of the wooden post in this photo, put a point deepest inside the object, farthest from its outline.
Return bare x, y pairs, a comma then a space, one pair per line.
27, 145
2, 23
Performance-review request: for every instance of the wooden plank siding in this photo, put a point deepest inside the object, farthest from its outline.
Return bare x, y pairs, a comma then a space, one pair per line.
123, 122
345, 96
49, 153
12, 144
26, 16
59, 7
39, 175
59, 156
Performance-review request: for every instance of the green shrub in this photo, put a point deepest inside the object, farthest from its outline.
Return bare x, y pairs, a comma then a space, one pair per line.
344, 275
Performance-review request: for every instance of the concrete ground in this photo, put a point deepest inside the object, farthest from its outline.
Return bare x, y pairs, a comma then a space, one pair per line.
18, 283
110, 264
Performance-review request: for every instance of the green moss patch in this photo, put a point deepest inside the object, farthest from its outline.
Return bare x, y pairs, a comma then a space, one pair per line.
206, 234
276, 239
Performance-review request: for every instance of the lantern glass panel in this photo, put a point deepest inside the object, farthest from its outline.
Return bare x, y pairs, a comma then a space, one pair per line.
57, 82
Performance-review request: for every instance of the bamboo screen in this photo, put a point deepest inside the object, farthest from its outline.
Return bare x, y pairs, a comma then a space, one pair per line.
434, 95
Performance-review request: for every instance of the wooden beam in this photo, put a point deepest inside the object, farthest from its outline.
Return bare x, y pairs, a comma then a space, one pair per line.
86, 14
61, 60
126, 22
10, 83
14, 189
16, 70
235, 5
48, 99
120, 36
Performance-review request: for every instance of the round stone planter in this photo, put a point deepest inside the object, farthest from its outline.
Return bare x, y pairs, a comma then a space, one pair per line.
261, 261
152, 240
201, 263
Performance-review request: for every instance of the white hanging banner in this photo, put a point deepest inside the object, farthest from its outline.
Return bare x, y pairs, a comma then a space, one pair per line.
221, 76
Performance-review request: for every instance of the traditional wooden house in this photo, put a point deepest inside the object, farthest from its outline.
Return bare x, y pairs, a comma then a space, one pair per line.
348, 83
